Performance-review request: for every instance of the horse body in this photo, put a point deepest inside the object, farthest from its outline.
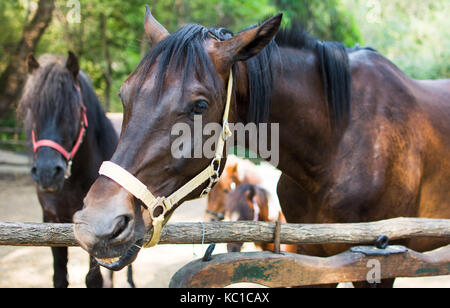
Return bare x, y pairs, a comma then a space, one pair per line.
358, 139
238, 172
51, 107
251, 203
390, 161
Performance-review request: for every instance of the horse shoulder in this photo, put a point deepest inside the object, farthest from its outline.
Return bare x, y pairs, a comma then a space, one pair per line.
375, 172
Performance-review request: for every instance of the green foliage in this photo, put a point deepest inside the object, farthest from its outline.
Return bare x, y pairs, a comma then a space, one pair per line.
327, 19
414, 34
6, 137
13, 14
126, 41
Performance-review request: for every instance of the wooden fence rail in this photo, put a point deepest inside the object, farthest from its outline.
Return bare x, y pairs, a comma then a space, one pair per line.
35, 234
13, 142
11, 130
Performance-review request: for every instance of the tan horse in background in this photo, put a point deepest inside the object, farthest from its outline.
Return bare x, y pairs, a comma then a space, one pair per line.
251, 203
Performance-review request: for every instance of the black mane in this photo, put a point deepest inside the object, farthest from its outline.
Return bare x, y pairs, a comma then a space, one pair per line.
185, 49
334, 67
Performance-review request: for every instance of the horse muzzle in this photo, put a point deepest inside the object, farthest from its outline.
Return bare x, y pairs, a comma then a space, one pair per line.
49, 175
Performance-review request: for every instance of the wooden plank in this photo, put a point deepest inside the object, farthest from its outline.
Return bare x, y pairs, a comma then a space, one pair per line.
287, 270
34, 234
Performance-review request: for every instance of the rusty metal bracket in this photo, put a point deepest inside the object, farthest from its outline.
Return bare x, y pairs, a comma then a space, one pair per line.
375, 251
381, 248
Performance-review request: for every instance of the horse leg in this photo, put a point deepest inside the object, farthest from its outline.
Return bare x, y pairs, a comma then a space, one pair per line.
296, 209
108, 280
130, 277
60, 259
234, 247
94, 277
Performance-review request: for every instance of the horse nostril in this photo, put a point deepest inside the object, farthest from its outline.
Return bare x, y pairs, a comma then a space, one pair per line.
58, 170
34, 172
122, 223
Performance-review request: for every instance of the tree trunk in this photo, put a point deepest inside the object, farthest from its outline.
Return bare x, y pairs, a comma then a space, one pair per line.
13, 78
108, 62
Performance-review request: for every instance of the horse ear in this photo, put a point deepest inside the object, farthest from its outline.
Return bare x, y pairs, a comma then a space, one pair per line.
73, 65
249, 43
32, 63
154, 30
233, 168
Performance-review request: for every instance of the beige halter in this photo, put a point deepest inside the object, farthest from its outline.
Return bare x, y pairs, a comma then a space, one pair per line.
159, 206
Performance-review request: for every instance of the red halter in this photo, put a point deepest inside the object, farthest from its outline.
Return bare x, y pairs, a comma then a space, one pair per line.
51, 144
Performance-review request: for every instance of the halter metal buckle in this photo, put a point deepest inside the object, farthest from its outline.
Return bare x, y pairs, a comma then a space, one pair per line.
161, 203
68, 173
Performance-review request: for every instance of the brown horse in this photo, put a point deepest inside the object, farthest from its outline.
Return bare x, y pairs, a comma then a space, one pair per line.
71, 136
231, 178
358, 139
251, 202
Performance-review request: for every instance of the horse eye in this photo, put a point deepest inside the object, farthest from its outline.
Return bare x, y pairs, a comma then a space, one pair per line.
199, 107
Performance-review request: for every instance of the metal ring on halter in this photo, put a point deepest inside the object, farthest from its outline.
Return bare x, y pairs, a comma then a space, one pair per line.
215, 176
205, 191
68, 173
159, 205
215, 163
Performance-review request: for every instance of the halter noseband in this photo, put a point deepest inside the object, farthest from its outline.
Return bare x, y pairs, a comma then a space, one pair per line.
52, 144
159, 206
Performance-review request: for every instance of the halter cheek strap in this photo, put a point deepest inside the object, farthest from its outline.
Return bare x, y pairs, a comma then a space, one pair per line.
160, 206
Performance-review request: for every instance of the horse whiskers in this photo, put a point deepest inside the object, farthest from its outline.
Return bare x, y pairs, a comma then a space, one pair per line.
136, 245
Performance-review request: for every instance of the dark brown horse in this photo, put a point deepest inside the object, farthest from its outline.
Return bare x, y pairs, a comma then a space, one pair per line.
251, 203
358, 139
71, 136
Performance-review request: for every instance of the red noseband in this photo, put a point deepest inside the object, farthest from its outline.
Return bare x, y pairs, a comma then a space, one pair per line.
51, 144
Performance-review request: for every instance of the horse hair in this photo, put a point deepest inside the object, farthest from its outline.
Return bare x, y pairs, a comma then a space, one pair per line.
334, 68
185, 48
50, 95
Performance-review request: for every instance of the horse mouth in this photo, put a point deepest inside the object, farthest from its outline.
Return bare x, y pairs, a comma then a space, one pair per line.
118, 263
50, 189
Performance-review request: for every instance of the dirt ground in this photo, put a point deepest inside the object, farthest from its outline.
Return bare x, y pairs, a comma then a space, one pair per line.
32, 267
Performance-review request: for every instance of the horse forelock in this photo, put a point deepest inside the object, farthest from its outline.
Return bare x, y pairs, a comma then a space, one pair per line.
50, 93
182, 51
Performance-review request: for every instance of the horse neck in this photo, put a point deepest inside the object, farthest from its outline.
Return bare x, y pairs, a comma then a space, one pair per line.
299, 107
83, 160
98, 144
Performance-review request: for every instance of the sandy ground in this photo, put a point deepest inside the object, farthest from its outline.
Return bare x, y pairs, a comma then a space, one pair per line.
32, 267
